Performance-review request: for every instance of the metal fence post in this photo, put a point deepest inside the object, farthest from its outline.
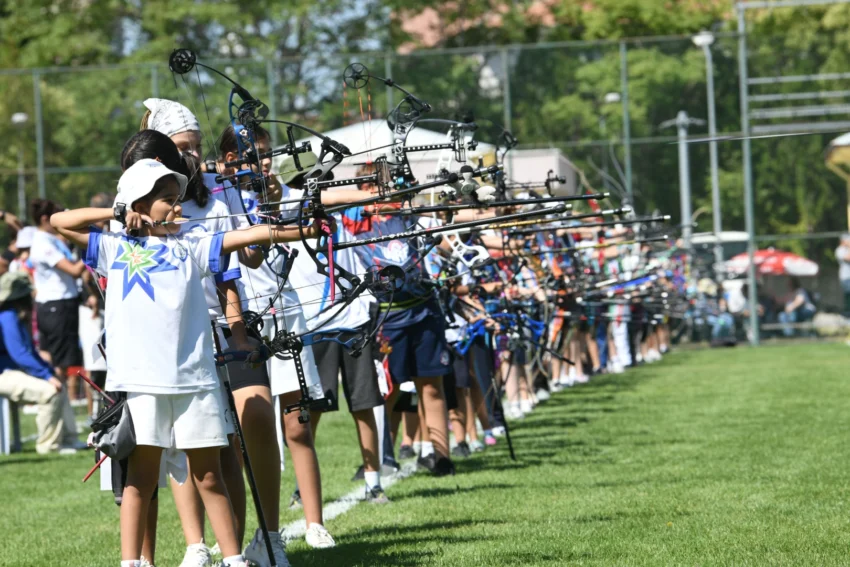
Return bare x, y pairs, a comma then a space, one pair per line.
388, 73
506, 100
155, 81
271, 78
627, 130
39, 134
749, 215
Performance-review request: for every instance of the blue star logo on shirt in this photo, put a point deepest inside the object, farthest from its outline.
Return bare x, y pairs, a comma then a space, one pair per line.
138, 262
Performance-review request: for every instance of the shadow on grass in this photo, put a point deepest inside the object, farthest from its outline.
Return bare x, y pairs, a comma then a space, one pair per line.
19, 460
448, 491
544, 438
381, 546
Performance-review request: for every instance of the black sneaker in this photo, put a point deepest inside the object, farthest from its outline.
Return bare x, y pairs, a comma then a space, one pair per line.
428, 463
462, 450
295, 501
405, 452
444, 467
376, 496
360, 474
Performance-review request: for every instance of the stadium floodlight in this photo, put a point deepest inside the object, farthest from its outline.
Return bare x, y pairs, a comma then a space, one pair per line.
703, 39
612, 98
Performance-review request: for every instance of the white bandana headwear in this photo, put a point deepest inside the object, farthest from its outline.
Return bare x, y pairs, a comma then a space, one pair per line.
169, 117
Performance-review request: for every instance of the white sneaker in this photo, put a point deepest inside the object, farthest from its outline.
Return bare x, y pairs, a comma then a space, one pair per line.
256, 551
542, 395
144, 562
215, 551
498, 431
197, 555
582, 378
526, 406
318, 537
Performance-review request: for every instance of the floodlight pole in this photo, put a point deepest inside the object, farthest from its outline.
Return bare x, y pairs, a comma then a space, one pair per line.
749, 216
682, 122
627, 130
705, 40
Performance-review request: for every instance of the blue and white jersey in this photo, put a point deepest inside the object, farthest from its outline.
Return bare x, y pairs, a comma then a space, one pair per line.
256, 286
156, 341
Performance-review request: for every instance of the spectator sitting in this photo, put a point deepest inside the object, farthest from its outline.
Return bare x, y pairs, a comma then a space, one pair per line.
723, 327
798, 309
25, 376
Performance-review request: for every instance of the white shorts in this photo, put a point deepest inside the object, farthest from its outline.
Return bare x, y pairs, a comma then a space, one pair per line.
196, 420
90, 332
282, 372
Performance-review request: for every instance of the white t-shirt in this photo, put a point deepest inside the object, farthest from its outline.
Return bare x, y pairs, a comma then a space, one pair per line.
212, 218
51, 283
314, 289
256, 286
157, 341
843, 265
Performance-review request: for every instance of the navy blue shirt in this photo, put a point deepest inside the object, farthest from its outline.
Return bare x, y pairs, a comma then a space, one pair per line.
16, 349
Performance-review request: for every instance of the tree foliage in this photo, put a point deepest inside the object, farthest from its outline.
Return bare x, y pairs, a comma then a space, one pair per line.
556, 92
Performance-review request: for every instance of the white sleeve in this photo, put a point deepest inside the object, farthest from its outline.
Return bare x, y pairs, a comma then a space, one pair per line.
47, 253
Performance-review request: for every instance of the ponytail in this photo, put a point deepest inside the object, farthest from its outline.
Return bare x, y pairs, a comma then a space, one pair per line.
196, 189
145, 119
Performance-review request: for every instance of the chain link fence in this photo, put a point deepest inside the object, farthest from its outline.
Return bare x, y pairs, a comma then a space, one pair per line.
600, 104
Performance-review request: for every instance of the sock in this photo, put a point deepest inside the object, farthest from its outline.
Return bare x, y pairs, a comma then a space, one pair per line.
232, 560
131, 563
427, 448
373, 479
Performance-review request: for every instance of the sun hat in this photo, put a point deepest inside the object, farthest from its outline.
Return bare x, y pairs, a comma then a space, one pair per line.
25, 235
14, 285
288, 173
139, 179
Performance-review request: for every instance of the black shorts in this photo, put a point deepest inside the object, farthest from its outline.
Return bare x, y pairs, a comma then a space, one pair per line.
59, 331
407, 402
480, 361
450, 389
460, 370
242, 375
359, 377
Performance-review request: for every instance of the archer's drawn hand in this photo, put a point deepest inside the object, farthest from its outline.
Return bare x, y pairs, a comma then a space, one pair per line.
135, 221
274, 192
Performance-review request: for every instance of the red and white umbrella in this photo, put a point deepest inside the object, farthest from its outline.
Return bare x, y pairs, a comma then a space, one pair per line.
772, 262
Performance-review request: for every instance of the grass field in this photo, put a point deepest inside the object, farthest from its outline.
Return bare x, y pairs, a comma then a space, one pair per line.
724, 457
